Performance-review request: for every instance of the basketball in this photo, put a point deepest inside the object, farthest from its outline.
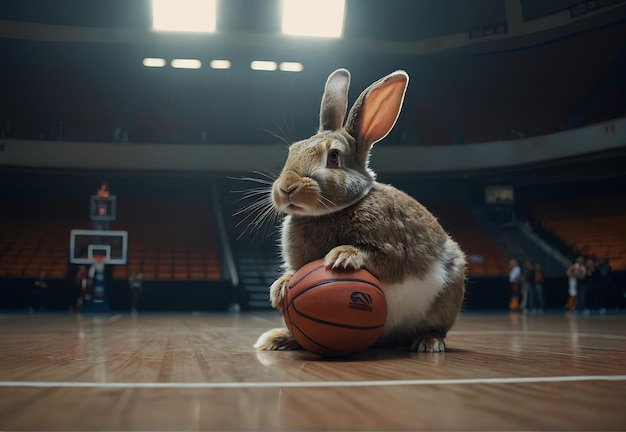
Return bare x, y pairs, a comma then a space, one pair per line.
334, 313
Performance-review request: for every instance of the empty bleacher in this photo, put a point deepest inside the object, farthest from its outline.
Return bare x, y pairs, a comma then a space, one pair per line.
31, 243
592, 226
168, 240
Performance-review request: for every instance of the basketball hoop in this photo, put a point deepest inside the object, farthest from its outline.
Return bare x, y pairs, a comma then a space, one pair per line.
98, 262
99, 259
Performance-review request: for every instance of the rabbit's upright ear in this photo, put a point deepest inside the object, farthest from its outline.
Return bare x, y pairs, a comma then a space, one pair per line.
376, 110
334, 101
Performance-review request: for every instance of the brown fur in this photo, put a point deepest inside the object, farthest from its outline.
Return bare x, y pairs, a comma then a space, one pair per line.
337, 211
388, 258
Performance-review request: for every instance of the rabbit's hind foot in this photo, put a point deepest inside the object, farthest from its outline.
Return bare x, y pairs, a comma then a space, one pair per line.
428, 344
276, 339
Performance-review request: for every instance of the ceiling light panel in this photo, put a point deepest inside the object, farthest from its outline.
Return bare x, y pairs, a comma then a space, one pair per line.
220, 64
315, 18
262, 65
291, 67
154, 62
184, 15
186, 64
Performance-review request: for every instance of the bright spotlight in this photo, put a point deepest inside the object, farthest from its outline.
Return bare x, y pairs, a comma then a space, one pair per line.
317, 18
184, 15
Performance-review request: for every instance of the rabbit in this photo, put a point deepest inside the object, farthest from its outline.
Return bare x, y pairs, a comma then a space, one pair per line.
336, 210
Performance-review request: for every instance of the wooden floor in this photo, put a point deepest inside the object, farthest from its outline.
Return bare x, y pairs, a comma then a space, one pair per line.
200, 372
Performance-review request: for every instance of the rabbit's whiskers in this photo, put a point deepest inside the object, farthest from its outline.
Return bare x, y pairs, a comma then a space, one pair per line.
327, 203
261, 210
285, 134
251, 193
254, 179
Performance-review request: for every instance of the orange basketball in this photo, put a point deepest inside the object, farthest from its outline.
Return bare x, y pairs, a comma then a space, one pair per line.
334, 313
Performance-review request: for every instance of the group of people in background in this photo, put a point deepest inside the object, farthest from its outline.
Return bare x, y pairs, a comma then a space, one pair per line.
82, 291
526, 286
84, 278
589, 285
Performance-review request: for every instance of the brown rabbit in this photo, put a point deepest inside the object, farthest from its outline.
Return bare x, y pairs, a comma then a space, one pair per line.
336, 210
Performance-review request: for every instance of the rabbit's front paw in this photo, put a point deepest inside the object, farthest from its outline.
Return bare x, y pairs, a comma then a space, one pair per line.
345, 258
277, 290
428, 344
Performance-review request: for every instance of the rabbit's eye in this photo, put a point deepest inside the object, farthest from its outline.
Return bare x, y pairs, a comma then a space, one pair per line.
333, 159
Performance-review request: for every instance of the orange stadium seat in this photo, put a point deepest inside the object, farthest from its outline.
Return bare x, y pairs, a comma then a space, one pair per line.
174, 241
593, 226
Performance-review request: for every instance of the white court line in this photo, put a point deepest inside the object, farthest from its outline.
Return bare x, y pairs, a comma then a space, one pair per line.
535, 333
308, 384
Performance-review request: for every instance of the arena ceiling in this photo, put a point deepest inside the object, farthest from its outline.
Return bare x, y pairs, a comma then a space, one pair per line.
473, 77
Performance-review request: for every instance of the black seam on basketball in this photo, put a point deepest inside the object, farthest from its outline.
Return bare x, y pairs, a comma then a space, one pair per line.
326, 282
316, 342
331, 281
287, 317
300, 280
346, 326
358, 280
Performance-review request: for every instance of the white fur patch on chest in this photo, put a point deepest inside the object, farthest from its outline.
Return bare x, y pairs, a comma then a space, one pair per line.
409, 301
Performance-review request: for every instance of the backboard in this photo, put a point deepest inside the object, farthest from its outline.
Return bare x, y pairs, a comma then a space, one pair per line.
84, 244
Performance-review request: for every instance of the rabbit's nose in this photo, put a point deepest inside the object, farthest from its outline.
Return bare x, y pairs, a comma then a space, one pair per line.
288, 188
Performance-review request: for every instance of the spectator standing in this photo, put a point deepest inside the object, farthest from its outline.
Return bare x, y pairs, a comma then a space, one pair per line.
136, 286
39, 293
82, 281
527, 280
575, 273
581, 285
515, 277
591, 283
604, 293
537, 299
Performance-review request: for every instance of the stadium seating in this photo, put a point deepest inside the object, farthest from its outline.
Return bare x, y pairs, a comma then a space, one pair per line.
594, 227
30, 243
167, 240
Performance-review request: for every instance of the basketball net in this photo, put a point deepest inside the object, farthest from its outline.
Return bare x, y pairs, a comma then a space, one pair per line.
98, 262
95, 271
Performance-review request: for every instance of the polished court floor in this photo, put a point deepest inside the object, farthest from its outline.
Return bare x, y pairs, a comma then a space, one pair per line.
200, 372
